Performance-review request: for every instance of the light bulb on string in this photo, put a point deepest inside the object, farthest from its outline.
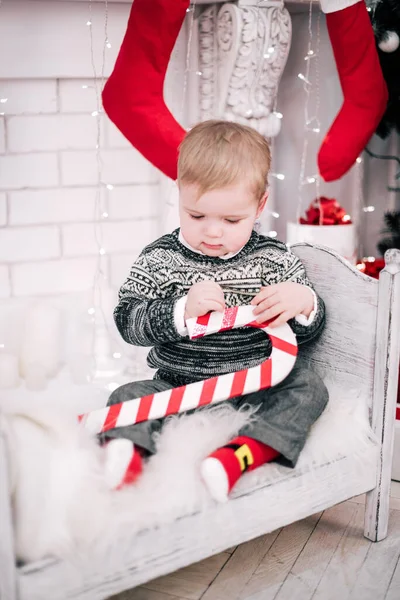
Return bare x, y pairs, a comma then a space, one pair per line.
368, 209
108, 44
310, 179
279, 176
310, 54
278, 115
303, 78
3, 100
105, 215
272, 234
89, 23
313, 125
359, 160
109, 186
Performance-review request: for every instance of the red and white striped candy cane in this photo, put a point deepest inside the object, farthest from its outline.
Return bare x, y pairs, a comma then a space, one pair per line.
209, 391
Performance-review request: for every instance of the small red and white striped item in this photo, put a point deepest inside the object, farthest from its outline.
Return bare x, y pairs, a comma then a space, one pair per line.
209, 391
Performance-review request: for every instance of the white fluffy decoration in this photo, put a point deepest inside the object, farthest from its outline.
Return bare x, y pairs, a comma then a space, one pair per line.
62, 504
270, 126
390, 42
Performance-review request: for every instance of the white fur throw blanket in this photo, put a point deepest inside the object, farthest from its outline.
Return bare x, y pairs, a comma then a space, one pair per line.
61, 503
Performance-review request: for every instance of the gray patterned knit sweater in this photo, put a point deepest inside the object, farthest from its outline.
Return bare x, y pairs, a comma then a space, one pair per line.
164, 272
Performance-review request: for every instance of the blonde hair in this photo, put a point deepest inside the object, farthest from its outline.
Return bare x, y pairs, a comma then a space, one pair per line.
216, 154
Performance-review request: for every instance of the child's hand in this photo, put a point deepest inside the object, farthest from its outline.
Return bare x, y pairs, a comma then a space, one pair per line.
204, 297
282, 301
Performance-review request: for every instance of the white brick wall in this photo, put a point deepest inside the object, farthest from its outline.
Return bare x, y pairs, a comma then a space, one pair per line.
119, 267
53, 277
53, 200
51, 206
28, 170
3, 209
29, 96
80, 239
2, 136
29, 243
130, 202
5, 288
51, 132
55, 205
77, 96
114, 137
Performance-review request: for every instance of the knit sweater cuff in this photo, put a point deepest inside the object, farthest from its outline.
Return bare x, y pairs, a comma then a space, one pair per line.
162, 314
330, 6
179, 316
306, 321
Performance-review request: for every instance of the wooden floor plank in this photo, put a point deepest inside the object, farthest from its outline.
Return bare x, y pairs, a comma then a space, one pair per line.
192, 581
230, 582
307, 571
376, 573
342, 570
324, 560
393, 592
394, 502
141, 593
278, 561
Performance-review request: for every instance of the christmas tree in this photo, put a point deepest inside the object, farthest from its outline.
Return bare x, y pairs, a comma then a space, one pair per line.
392, 231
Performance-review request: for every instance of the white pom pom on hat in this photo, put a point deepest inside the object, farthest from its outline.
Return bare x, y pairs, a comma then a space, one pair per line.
390, 42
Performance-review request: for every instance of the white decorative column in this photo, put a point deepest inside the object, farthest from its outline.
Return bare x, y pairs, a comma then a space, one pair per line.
243, 48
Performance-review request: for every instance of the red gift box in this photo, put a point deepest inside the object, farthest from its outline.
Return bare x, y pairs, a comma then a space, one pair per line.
325, 211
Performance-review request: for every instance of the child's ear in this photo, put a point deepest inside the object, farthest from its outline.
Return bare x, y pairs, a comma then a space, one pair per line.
261, 204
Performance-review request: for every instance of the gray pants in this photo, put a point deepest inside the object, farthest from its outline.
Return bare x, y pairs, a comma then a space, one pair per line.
283, 419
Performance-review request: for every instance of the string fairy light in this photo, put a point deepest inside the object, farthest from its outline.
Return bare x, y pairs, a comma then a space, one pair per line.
3, 101
170, 193
311, 124
96, 311
191, 11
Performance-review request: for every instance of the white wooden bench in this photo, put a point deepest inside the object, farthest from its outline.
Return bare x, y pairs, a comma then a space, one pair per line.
359, 349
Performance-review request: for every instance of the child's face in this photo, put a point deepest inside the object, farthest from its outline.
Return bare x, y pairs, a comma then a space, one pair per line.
220, 221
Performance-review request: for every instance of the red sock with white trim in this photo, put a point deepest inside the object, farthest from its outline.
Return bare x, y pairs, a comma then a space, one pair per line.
133, 95
364, 88
221, 469
124, 463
